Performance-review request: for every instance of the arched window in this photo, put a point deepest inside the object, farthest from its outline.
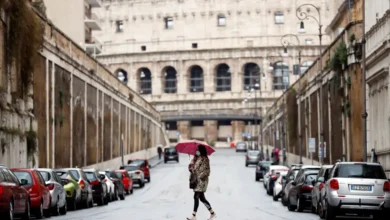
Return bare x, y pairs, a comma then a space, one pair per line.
306, 66
196, 79
170, 80
251, 76
122, 75
281, 76
145, 81
223, 78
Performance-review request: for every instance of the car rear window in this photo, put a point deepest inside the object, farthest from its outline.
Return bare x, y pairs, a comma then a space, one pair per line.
130, 168
119, 174
254, 153
75, 173
46, 175
170, 150
241, 144
310, 178
364, 171
62, 174
90, 176
24, 175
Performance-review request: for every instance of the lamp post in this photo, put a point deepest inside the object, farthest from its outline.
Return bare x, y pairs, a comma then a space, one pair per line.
303, 15
269, 56
286, 43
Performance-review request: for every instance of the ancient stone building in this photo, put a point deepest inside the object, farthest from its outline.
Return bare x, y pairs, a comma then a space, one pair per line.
205, 64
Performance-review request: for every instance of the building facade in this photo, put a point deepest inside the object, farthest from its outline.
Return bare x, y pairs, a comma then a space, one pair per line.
205, 64
377, 25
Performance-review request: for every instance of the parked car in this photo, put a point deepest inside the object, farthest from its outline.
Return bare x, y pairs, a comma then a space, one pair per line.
261, 169
278, 185
241, 146
86, 188
99, 187
269, 171
135, 173
126, 180
252, 158
144, 165
119, 187
15, 199
290, 177
318, 186
110, 187
71, 187
171, 154
357, 188
275, 173
39, 193
57, 191
299, 196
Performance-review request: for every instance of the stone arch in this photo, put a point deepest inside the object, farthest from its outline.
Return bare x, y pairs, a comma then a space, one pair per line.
223, 78
251, 76
281, 75
196, 78
305, 66
144, 76
122, 75
170, 79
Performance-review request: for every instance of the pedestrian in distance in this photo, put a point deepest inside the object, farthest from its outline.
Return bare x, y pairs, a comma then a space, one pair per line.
199, 179
159, 151
374, 157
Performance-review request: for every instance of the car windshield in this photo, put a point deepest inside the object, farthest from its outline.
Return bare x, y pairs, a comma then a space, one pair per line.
90, 176
75, 174
46, 175
253, 153
265, 163
310, 178
119, 174
24, 175
137, 162
364, 171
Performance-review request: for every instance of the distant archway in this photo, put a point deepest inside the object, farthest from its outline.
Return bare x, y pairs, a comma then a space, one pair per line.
196, 79
145, 81
281, 76
251, 76
122, 75
223, 78
170, 80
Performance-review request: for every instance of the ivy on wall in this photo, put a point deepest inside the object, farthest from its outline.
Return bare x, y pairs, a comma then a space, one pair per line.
292, 116
24, 39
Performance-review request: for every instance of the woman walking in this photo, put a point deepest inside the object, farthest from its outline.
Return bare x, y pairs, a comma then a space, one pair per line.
200, 171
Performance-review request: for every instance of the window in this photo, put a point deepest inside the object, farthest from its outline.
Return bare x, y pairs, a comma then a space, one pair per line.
122, 75
196, 80
24, 175
143, 48
309, 41
281, 76
46, 175
221, 20
279, 18
251, 76
119, 26
195, 45
145, 78
170, 80
223, 78
168, 23
75, 174
2, 178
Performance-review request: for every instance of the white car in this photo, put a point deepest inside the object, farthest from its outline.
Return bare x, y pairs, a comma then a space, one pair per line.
136, 174
278, 186
269, 171
110, 186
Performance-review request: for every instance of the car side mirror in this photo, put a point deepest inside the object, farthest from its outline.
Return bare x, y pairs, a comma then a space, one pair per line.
150, 166
294, 183
64, 182
23, 182
102, 177
313, 182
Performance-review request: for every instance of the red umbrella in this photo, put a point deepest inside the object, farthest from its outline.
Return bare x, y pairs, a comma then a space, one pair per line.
191, 146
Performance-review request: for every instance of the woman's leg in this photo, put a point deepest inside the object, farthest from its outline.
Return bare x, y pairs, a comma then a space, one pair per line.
205, 202
196, 202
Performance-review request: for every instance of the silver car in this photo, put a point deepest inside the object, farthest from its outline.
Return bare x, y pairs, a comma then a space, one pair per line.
357, 188
318, 186
57, 192
241, 146
252, 158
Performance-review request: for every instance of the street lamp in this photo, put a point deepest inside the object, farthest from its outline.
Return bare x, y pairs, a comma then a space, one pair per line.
270, 55
303, 15
286, 43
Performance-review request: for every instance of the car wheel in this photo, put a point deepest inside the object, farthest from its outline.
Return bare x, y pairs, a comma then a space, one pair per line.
290, 207
330, 213
257, 179
320, 210
148, 179
284, 202
300, 206
64, 209
246, 164
27, 212
10, 211
101, 200
91, 203
122, 196
165, 161
274, 197
56, 209
39, 211
131, 191
107, 199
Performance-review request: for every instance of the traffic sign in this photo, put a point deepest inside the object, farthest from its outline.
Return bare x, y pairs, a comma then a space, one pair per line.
322, 151
312, 145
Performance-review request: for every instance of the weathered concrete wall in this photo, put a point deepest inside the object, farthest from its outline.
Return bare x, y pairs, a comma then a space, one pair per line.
84, 114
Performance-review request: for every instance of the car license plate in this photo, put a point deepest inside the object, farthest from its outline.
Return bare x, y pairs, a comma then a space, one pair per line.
171, 157
361, 188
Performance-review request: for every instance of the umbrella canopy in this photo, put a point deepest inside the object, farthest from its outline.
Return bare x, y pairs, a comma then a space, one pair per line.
191, 146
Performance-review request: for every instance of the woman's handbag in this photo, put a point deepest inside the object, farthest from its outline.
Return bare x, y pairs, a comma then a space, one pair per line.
193, 181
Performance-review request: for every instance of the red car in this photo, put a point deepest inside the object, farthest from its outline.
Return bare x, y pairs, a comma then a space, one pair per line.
126, 180
36, 187
143, 164
14, 198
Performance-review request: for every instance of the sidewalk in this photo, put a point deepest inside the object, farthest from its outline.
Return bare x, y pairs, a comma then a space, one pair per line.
154, 161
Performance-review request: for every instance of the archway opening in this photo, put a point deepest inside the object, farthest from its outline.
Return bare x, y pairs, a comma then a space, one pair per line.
223, 78
196, 79
145, 81
170, 76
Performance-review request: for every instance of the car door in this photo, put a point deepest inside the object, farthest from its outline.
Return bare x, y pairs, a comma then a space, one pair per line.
59, 188
316, 187
293, 194
44, 189
19, 194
